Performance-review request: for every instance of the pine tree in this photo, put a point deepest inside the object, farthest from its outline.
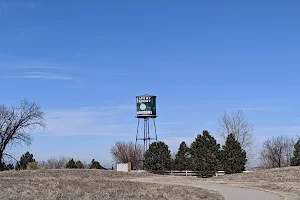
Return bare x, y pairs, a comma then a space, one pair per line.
295, 161
79, 165
233, 156
204, 154
71, 164
10, 167
96, 165
25, 159
182, 158
158, 157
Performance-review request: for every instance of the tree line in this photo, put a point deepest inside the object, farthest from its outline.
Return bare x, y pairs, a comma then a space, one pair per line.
204, 156
27, 162
16, 124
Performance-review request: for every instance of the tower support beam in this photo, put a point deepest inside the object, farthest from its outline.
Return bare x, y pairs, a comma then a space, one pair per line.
148, 132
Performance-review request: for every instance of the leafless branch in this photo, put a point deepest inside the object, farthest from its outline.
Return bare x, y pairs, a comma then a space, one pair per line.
16, 123
10, 156
277, 152
237, 124
127, 152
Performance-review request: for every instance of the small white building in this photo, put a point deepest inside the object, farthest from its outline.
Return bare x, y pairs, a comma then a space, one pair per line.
124, 167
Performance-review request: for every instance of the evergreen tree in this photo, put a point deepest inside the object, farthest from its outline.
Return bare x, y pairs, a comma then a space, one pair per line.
182, 158
204, 153
71, 164
24, 160
157, 157
96, 165
4, 167
10, 167
295, 161
233, 156
79, 165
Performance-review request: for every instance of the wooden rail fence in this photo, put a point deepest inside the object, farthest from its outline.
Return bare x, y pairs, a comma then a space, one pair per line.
192, 173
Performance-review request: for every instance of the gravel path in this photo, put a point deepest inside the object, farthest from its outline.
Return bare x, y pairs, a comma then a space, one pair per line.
228, 192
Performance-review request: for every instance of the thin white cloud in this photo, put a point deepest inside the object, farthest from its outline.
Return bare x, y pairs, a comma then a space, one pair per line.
125, 107
25, 65
175, 141
253, 109
171, 123
175, 131
269, 131
118, 107
22, 66
86, 121
40, 75
36, 67
102, 121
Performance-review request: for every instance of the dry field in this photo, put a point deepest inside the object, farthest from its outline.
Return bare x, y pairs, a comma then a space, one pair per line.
284, 182
90, 184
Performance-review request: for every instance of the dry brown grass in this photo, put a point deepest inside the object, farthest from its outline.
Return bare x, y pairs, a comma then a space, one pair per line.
90, 184
284, 182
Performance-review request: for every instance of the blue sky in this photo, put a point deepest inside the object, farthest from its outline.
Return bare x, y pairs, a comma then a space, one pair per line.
84, 62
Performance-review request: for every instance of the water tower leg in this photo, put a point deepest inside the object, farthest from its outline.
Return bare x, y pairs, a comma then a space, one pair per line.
155, 129
137, 133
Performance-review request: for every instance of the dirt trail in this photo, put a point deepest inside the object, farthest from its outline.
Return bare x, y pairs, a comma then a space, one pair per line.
228, 192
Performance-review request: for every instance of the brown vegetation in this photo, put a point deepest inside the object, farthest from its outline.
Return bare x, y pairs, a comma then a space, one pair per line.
277, 152
16, 123
123, 152
90, 184
283, 182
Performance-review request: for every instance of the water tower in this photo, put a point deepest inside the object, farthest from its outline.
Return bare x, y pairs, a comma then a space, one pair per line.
146, 114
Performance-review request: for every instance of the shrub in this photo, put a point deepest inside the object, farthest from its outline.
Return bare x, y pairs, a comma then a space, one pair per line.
96, 165
33, 166
4, 167
24, 160
71, 164
79, 165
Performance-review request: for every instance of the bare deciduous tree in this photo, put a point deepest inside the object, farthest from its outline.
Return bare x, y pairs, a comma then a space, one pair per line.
276, 152
239, 126
16, 123
127, 152
44, 165
59, 163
